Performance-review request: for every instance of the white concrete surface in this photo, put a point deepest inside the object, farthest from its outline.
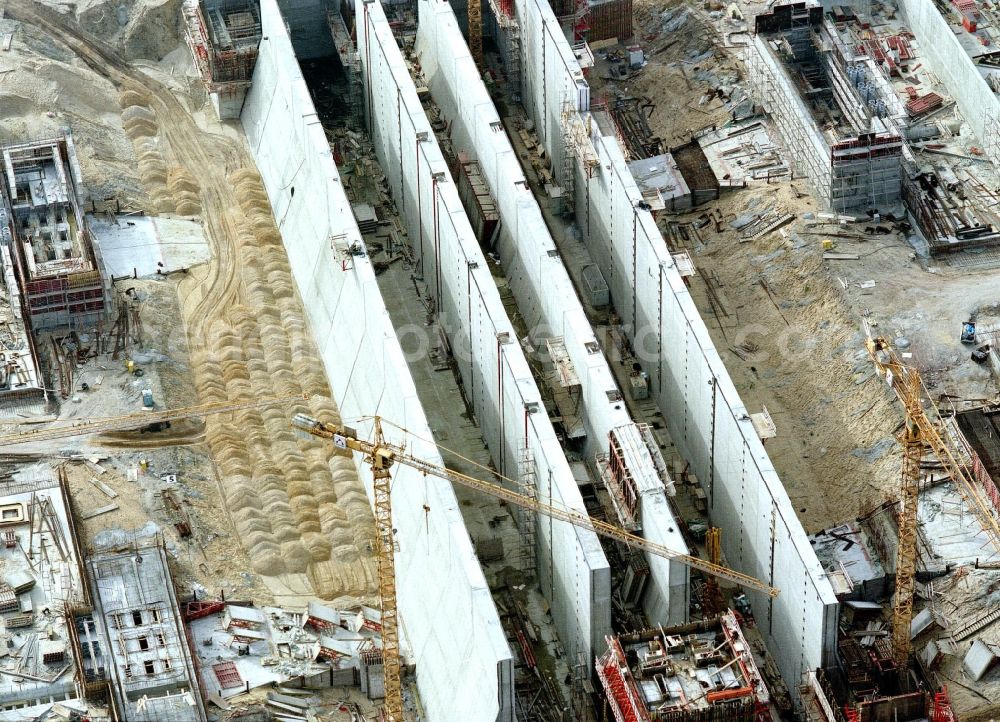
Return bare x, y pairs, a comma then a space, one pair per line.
709, 422
495, 373
552, 80
941, 51
464, 665
544, 291
145, 245
228, 104
704, 414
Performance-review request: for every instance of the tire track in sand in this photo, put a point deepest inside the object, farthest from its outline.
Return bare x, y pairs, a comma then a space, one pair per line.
298, 509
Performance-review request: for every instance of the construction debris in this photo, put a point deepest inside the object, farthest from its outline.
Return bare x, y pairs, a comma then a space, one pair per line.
716, 107
242, 647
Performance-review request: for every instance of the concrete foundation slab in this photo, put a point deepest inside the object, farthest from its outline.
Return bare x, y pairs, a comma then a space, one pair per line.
147, 245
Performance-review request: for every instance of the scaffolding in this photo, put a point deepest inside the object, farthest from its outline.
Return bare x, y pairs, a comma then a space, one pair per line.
777, 98
858, 168
59, 267
152, 672
514, 59
525, 519
508, 40
581, 689
991, 137
581, 21
578, 149
224, 36
568, 175
351, 63
866, 172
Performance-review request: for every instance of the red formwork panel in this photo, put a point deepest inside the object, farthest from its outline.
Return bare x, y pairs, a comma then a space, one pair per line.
227, 674
612, 19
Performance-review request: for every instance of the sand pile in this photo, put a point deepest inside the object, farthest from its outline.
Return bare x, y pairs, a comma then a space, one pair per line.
140, 125
136, 28
301, 514
298, 508
172, 189
185, 191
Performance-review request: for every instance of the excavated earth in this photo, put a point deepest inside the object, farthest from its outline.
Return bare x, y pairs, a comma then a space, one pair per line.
301, 513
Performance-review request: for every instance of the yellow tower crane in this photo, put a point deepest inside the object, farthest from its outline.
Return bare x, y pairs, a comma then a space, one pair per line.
381, 455
920, 431
712, 602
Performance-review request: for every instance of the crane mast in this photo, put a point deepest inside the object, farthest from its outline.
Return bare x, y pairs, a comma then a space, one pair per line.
906, 550
385, 548
920, 431
474, 14
712, 600
381, 455
905, 381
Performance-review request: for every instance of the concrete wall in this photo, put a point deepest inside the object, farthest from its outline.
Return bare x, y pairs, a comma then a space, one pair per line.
464, 665
705, 416
496, 376
544, 291
228, 105
941, 52
306, 20
551, 78
773, 91
709, 423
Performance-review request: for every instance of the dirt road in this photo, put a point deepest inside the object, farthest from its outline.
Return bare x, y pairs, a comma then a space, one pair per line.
301, 513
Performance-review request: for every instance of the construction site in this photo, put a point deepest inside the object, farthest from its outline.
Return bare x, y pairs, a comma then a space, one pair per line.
534, 360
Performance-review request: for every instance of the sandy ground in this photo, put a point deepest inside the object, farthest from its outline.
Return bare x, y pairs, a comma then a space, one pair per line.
809, 349
148, 137
686, 59
835, 447
797, 321
177, 462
